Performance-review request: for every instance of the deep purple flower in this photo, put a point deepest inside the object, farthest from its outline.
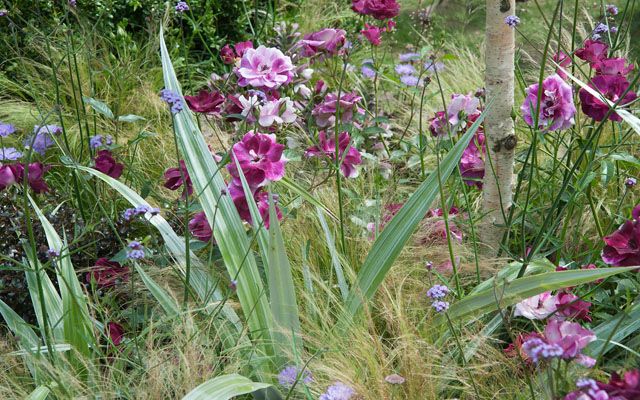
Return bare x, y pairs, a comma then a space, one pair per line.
10, 174
327, 41
9, 154
262, 201
291, 375
325, 112
206, 102
6, 129
512, 21
538, 349
440, 306
472, 161
105, 163
612, 66
563, 61
438, 292
612, 87
326, 148
338, 391
260, 158
172, 99
373, 34
592, 51
556, 105
106, 273
626, 386
42, 138
622, 247
571, 306
182, 6
35, 177
264, 67
200, 228
176, 177
378, 9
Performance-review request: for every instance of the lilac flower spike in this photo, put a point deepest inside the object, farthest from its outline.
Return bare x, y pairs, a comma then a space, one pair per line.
440, 306
438, 292
182, 6
172, 99
512, 21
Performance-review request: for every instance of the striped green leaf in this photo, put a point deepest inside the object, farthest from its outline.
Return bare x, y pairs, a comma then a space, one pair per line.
26, 336
39, 393
167, 302
224, 388
304, 193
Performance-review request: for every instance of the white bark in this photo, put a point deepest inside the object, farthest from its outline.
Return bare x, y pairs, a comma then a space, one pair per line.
498, 124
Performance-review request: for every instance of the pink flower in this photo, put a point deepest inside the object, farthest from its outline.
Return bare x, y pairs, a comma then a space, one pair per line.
260, 158
378, 9
438, 125
200, 228
570, 306
325, 112
264, 67
262, 202
622, 247
472, 162
327, 147
327, 40
105, 163
623, 387
10, 174
537, 307
373, 34
613, 66
564, 61
462, 106
611, 87
279, 111
173, 179
592, 51
115, 332
205, 102
570, 336
107, 273
556, 105
35, 176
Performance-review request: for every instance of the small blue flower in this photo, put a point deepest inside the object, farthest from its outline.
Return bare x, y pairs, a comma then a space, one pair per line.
405, 57
338, 391
405, 69
440, 306
95, 141
42, 138
612, 9
136, 252
182, 6
173, 99
292, 374
512, 21
6, 129
9, 154
409, 80
438, 292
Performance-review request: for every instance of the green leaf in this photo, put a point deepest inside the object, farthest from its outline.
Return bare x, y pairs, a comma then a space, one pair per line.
511, 292
616, 329
130, 118
302, 192
224, 388
390, 242
282, 290
99, 107
40, 393
26, 336
167, 302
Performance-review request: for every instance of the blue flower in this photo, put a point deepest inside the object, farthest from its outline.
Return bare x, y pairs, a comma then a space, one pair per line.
292, 374
409, 57
338, 391
182, 6
95, 141
136, 252
42, 138
512, 21
173, 99
438, 292
405, 69
9, 154
440, 306
6, 129
409, 80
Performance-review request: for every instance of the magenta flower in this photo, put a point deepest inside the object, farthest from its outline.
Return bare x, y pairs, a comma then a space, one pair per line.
571, 306
205, 102
378, 9
472, 162
105, 163
264, 67
613, 66
35, 177
173, 179
564, 61
623, 387
570, 336
326, 147
592, 51
622, 247
200, 228
537, 307
106, 273
325, 112
260, 158
262, 202
556, 105
327, 41
438, 125
373, 34
10, 174
612, 87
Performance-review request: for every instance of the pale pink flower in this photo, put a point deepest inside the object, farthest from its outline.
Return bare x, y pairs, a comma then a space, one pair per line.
536, 307
264, 67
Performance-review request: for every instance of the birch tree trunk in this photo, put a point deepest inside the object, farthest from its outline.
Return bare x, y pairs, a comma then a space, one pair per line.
498, 124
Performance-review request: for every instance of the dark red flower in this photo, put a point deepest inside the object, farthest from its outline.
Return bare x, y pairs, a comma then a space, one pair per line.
105, 163
200, 228
262, 201
378, 9
571, 306
622, 247
234, 107
205, 102
592, 51
35, 177
227, 54
173, 179
115, 332
106, 273
611, 87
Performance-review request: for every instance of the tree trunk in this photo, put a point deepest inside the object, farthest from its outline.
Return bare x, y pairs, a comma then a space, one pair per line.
498, 123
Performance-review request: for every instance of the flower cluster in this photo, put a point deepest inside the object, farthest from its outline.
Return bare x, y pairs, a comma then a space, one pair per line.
182, 6
42, 138
98, 141
378, 9
230, 55
130, 213
15, 173
344, 105
136, 250
349, 156
512, 21
437, 293
560, 339
292, 375
173, 99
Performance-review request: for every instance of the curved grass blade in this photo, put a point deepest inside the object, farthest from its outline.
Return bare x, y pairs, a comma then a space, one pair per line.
304, 193
389, 244
335, 258
167, 302
224, 388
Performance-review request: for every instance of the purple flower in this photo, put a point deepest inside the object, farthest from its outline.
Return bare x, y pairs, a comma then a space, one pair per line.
10, 174
612, 87
512, 21
622, 247
327, 41
53, 253
42, 138
338, 391
410, 80
95, 141
3, 12
291, 375
405, 69
406, 57
367, 69
611, 9
626, 386
279, 111
612, 66
600, 29
327, 147
325, 112
176, 177
564, 61
437, 292
440, 306
131, 213
556, 105
630, 182
536, 307
569, 336
172, 99
200, 228
260, 158
105, 163
206, 102
35, 176
262, 201
432, 67
73, 3
264, 67
571, 306
182, 6
472, 162
537, 349
378, 9
136, 252
6, 129
592, 51
9, 154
